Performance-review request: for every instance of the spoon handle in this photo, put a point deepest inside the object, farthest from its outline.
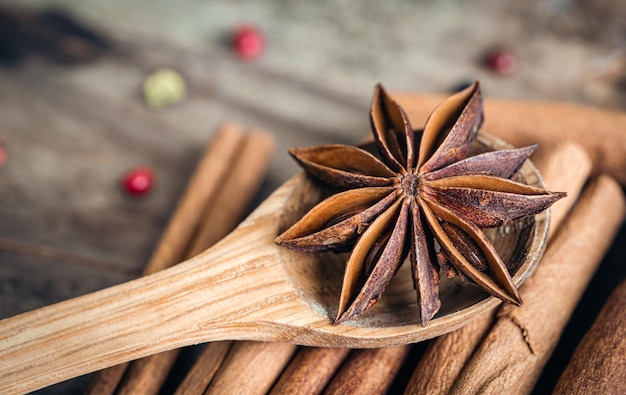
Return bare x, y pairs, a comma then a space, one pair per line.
220, 294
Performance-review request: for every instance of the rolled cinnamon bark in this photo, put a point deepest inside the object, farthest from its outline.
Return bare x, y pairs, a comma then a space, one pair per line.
516, 348
370, 371
204, 369
310, 371
250, 368
598, 365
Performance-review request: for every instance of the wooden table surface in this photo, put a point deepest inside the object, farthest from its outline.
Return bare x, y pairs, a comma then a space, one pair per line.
70, 132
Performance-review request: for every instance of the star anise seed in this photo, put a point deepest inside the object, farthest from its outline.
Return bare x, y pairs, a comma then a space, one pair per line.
422, 187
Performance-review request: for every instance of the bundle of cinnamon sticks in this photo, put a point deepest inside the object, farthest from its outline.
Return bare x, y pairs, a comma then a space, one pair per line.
503, 350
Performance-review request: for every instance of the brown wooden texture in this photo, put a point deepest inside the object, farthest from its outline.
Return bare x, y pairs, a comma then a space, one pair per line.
599, 363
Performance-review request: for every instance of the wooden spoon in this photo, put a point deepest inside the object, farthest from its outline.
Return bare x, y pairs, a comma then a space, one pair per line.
245, 287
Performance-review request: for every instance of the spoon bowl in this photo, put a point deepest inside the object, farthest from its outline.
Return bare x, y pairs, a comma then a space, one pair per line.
246, 288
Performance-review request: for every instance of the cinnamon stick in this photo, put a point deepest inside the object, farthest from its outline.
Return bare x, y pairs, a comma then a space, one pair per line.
564, 167
369, 371
106, 381
210, 172
445, 357
516, 349
237, 192
146, 375
205, 367
214, 169
251, 368
310, 371
220, 216
599, 362
546, 123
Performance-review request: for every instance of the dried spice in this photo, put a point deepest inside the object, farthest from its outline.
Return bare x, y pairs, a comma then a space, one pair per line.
3, 152
248, 42
502, 61
138, 181
422, 196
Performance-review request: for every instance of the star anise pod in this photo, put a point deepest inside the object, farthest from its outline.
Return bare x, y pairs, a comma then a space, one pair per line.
422, 187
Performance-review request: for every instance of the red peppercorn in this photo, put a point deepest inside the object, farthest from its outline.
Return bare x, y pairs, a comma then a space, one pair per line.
248, 42
3, 154
138, 181
502, 61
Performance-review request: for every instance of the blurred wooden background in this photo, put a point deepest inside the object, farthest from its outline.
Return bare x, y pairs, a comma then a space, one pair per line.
71, 130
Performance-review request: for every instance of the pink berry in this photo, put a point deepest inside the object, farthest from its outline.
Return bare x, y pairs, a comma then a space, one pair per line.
3, 154
138, 181
502, 61
248, 42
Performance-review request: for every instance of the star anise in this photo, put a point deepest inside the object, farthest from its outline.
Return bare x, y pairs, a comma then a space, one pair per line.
423, 196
